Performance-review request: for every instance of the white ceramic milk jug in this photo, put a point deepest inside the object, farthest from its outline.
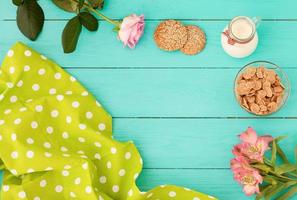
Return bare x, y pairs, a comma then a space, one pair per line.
239, 38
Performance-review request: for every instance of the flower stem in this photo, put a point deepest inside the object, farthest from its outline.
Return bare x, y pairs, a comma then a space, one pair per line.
91, 9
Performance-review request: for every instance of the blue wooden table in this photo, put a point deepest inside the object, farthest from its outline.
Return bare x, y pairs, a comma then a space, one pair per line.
180, 110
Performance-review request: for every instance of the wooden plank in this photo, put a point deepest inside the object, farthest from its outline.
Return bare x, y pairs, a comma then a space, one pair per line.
216, 182
102, 48
190, 9
196, 143
171, 92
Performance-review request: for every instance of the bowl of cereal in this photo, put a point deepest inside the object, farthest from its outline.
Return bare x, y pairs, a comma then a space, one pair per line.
261, 87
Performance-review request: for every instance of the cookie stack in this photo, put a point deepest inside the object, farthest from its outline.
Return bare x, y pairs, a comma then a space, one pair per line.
172, 35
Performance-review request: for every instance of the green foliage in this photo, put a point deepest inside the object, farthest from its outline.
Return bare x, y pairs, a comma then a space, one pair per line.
71, 34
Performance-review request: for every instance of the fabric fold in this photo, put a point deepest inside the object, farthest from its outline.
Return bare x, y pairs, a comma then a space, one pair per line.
56, 139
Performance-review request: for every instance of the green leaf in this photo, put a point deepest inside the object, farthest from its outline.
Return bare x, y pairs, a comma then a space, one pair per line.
274, 190
67, 5
71, 34
285, 168
296, 154
17, 2
263, 192
88, 21
273, 152
262, 167
30, 19
96, 4
81, 3
288, 194
279, 138
281, 154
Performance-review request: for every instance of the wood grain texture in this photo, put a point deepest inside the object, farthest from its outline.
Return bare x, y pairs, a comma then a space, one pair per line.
102, 48
179, 110
178, 9
169, 93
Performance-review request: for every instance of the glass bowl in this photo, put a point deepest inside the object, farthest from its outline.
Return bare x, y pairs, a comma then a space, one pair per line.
283, 79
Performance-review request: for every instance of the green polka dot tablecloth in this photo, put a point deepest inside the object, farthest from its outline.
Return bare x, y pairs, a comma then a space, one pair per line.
56, 139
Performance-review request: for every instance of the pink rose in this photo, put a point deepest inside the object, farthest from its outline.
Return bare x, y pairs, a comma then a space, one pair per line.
131, 30
247, 176
252, 146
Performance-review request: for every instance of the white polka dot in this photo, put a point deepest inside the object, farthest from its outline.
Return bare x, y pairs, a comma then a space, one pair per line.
66, 155
196, 198
30, 154
88, 189
2, 122
65, 173
34, 124
115, 188
108, 164
14, 154
35, 87
171, 194
17, 121
100, 197
38, 108
81, 139
13, 99
5, 188
58, 75
23, 109
101, 127
97, 156
26, 68
43, 57
80, 152
84, 93
11, 70
102, 179
41, 71
52, 91
58, 188
85, 166
22, 195
1, 137
20, 83
54, 113
1, 97
82, 126
29, 100
89, 115
64, 149
130, 192
72, 194
13, 137
77, 181
127, 155
7, 111
30, 141
36, 198
30, 170
49, 168
122, 172
113, 150
98, 104
14, 172
42, 183
49, 130
60, 97
68, 119
136, 176
72, 79
75, 104
65, 135
211, 197
47, 145
141, 161
97, 144
28, 53
48, 155
9, 84
10, 53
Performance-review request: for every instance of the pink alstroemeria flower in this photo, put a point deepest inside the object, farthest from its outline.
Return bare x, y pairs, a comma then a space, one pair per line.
247, 176
253, 147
